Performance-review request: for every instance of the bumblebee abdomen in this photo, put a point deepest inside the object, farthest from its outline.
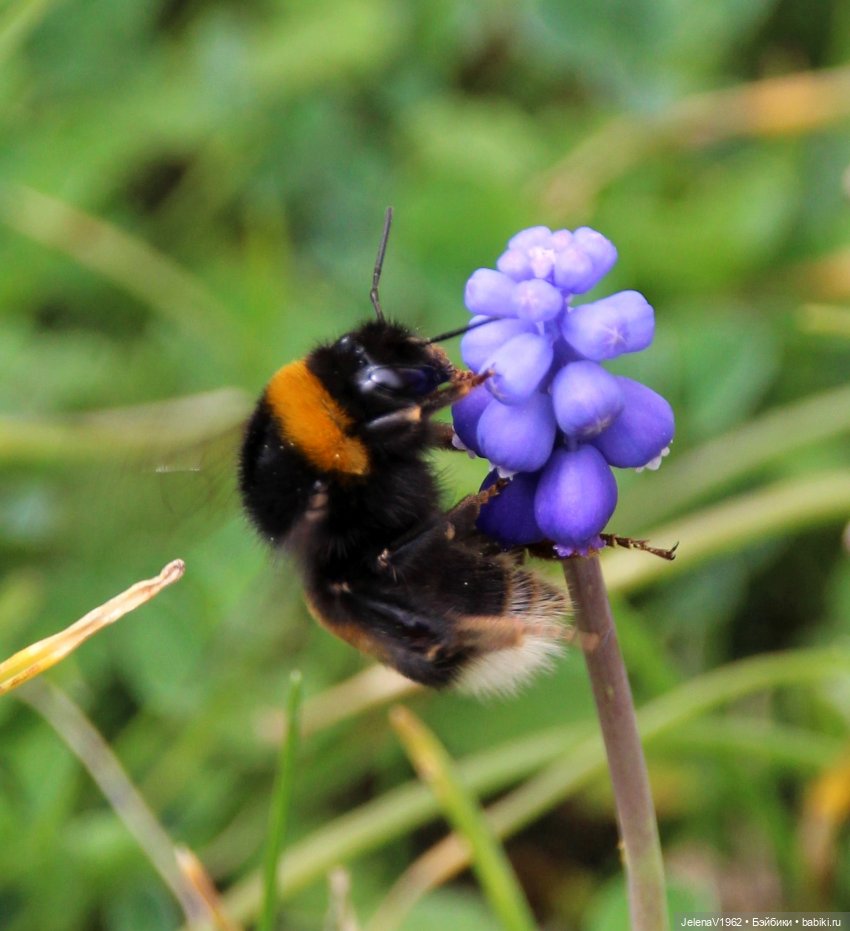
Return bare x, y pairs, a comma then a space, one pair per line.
275, 478
445, 616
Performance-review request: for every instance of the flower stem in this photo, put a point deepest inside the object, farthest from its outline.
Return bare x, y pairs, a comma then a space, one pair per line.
632, 796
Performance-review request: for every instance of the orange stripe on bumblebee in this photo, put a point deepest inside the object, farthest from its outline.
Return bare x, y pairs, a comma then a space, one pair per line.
353, 633
311, 419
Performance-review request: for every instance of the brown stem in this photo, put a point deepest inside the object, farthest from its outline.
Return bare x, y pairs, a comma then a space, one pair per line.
632, 795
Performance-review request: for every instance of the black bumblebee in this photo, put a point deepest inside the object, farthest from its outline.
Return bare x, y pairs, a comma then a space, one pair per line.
333, 468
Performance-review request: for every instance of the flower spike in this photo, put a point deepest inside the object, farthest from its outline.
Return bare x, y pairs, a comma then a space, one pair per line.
549, 414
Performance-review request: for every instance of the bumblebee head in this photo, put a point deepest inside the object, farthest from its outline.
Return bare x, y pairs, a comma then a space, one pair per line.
381, 367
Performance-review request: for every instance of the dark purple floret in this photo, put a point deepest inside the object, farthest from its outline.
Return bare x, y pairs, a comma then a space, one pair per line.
575, 497
509, 517
466, 414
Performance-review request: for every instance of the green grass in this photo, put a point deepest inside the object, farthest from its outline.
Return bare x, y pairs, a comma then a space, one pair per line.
281, 803
191, 195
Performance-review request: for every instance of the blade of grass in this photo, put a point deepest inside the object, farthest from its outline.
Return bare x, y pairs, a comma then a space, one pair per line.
733, 738
782, 507
437, 770
196, 875
373, 687
139, 431
87, 744
281, 803
128, 261
826, 320
340, 915
17, 22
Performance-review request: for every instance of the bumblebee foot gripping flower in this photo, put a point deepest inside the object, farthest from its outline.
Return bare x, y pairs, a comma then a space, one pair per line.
550, 416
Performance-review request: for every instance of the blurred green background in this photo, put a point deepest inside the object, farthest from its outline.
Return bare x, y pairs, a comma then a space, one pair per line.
191, 194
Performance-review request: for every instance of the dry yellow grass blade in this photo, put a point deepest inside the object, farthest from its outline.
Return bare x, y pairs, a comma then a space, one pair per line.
36, 658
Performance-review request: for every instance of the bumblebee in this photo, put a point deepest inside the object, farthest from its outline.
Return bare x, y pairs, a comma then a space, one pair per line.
333, 469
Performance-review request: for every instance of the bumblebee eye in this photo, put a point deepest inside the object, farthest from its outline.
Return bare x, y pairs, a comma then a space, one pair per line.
383, 376
422, 380
399, 379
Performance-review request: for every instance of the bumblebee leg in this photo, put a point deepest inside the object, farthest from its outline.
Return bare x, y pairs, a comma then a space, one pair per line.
391, 424
456, 524
317, 503
406, 547
464, 514
442, 436
412, 417
374, 619
459, 387
629, 543
546, 548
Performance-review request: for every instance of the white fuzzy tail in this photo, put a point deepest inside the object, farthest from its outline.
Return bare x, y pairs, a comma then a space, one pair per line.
504, 672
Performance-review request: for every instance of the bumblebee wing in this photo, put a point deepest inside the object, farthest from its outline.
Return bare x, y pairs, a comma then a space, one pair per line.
506, 623
387, 625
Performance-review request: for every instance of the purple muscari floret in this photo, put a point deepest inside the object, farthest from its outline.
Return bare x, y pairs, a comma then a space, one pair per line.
537, 300
642, 432
516, 264
478, 345
527, 239
574, 270
549, 413
601, 251
518, 438
510, 515
575, 497
489, 292
623, 322
587, 399
518, 367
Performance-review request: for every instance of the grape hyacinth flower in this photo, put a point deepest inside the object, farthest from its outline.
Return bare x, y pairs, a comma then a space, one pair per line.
550, 416
555, 421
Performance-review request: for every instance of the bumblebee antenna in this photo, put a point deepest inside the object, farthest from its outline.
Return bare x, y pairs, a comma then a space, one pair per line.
379, 264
